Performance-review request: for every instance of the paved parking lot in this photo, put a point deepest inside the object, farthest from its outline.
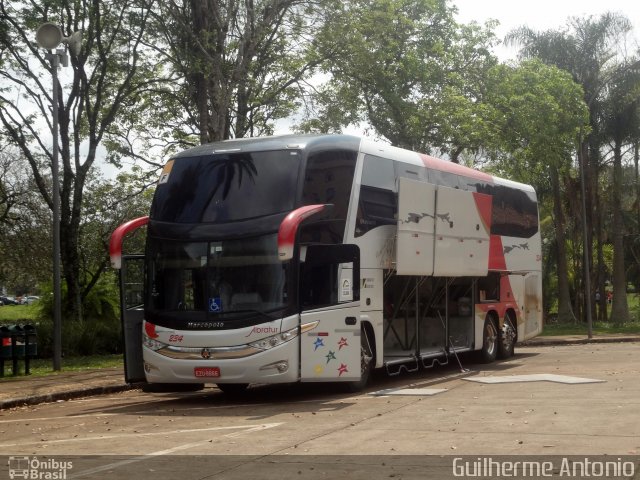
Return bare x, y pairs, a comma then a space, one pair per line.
561, 400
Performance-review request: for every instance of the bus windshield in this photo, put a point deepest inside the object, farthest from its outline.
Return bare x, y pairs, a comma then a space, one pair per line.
226, 187
206, 280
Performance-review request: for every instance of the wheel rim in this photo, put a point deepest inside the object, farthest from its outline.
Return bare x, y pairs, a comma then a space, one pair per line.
508, 335
490, 337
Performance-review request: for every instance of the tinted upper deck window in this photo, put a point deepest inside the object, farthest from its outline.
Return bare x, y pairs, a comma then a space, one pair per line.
328, 180
227, 187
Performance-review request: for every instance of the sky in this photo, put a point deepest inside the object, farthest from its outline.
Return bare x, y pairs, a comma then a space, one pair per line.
541, 14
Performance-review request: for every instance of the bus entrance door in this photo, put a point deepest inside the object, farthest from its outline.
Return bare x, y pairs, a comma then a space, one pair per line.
330, 296
132, 314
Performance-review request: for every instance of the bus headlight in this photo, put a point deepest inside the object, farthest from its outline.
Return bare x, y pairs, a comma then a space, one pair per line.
152, 344
275, 340
282, 337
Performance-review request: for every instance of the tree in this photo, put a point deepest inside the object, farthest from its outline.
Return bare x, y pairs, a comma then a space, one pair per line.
112, 71
587, 49
24, 227
621, 125
409, 70
241, 64
538, 112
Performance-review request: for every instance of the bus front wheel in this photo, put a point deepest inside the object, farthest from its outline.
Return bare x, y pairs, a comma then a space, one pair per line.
366, 362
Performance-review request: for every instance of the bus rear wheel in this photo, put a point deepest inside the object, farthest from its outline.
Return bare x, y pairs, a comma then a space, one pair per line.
489, 341
507, 343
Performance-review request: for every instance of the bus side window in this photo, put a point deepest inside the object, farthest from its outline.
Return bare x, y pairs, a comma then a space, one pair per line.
377, 205
319, 274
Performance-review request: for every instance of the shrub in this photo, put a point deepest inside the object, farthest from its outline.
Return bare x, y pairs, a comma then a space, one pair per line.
99, 330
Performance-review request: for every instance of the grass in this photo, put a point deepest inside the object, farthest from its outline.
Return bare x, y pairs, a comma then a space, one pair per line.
44, 366
599, 328
18, 314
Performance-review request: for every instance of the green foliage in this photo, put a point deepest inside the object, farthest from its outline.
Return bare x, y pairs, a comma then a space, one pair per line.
98, 333
408, 69
537, 112
237, 66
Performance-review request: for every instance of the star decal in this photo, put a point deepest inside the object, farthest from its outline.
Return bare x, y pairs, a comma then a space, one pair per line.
318, 369
318, 343
330, 356
342, 343
342, 369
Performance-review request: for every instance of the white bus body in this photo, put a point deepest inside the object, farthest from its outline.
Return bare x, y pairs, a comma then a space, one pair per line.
335, 255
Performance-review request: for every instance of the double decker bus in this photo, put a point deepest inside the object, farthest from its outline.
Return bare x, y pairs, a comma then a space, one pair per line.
318, 258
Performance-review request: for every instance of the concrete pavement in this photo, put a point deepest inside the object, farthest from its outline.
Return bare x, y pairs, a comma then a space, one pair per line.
32, 390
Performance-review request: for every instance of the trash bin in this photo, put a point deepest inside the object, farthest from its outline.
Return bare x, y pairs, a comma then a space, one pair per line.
6, 348
5, 340
17, 337
30, 340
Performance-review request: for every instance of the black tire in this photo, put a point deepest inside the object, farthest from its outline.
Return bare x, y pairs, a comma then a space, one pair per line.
366, 363
489, 341
233, 388
507, 341
171, 387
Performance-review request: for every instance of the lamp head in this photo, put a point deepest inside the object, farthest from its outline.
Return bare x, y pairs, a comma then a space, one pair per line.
49, 35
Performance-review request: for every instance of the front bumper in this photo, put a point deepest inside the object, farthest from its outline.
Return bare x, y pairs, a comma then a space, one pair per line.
263, 367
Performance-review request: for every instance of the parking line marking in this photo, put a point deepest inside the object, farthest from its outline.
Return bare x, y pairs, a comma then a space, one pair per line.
169, 451
536, 377
247, 428
416, 392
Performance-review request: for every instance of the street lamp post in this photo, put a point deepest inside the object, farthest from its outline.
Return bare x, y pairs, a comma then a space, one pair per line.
54, 58
585, 236
49, 36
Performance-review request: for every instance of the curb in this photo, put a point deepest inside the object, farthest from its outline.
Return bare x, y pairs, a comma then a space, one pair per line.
65, 395
542, 342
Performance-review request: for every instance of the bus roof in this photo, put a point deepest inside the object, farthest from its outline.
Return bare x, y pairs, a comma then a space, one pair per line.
312, 142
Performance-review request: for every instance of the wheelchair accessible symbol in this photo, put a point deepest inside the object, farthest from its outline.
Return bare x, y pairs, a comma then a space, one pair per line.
215, 305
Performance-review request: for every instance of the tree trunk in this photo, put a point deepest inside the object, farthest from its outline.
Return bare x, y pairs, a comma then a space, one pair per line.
619, 307
565, 312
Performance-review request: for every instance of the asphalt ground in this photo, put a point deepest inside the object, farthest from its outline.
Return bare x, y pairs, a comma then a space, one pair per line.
569, 399
33, 390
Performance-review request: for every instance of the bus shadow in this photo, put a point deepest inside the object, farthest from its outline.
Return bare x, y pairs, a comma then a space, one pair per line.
264, 401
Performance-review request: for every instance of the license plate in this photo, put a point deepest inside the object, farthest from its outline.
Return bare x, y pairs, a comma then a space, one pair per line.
201, 372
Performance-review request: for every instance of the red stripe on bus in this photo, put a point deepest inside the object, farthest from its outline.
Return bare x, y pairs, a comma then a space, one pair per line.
484, 204
496, 253
455, 168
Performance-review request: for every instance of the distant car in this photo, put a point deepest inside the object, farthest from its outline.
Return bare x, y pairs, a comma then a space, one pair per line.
9, 301
28, 300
